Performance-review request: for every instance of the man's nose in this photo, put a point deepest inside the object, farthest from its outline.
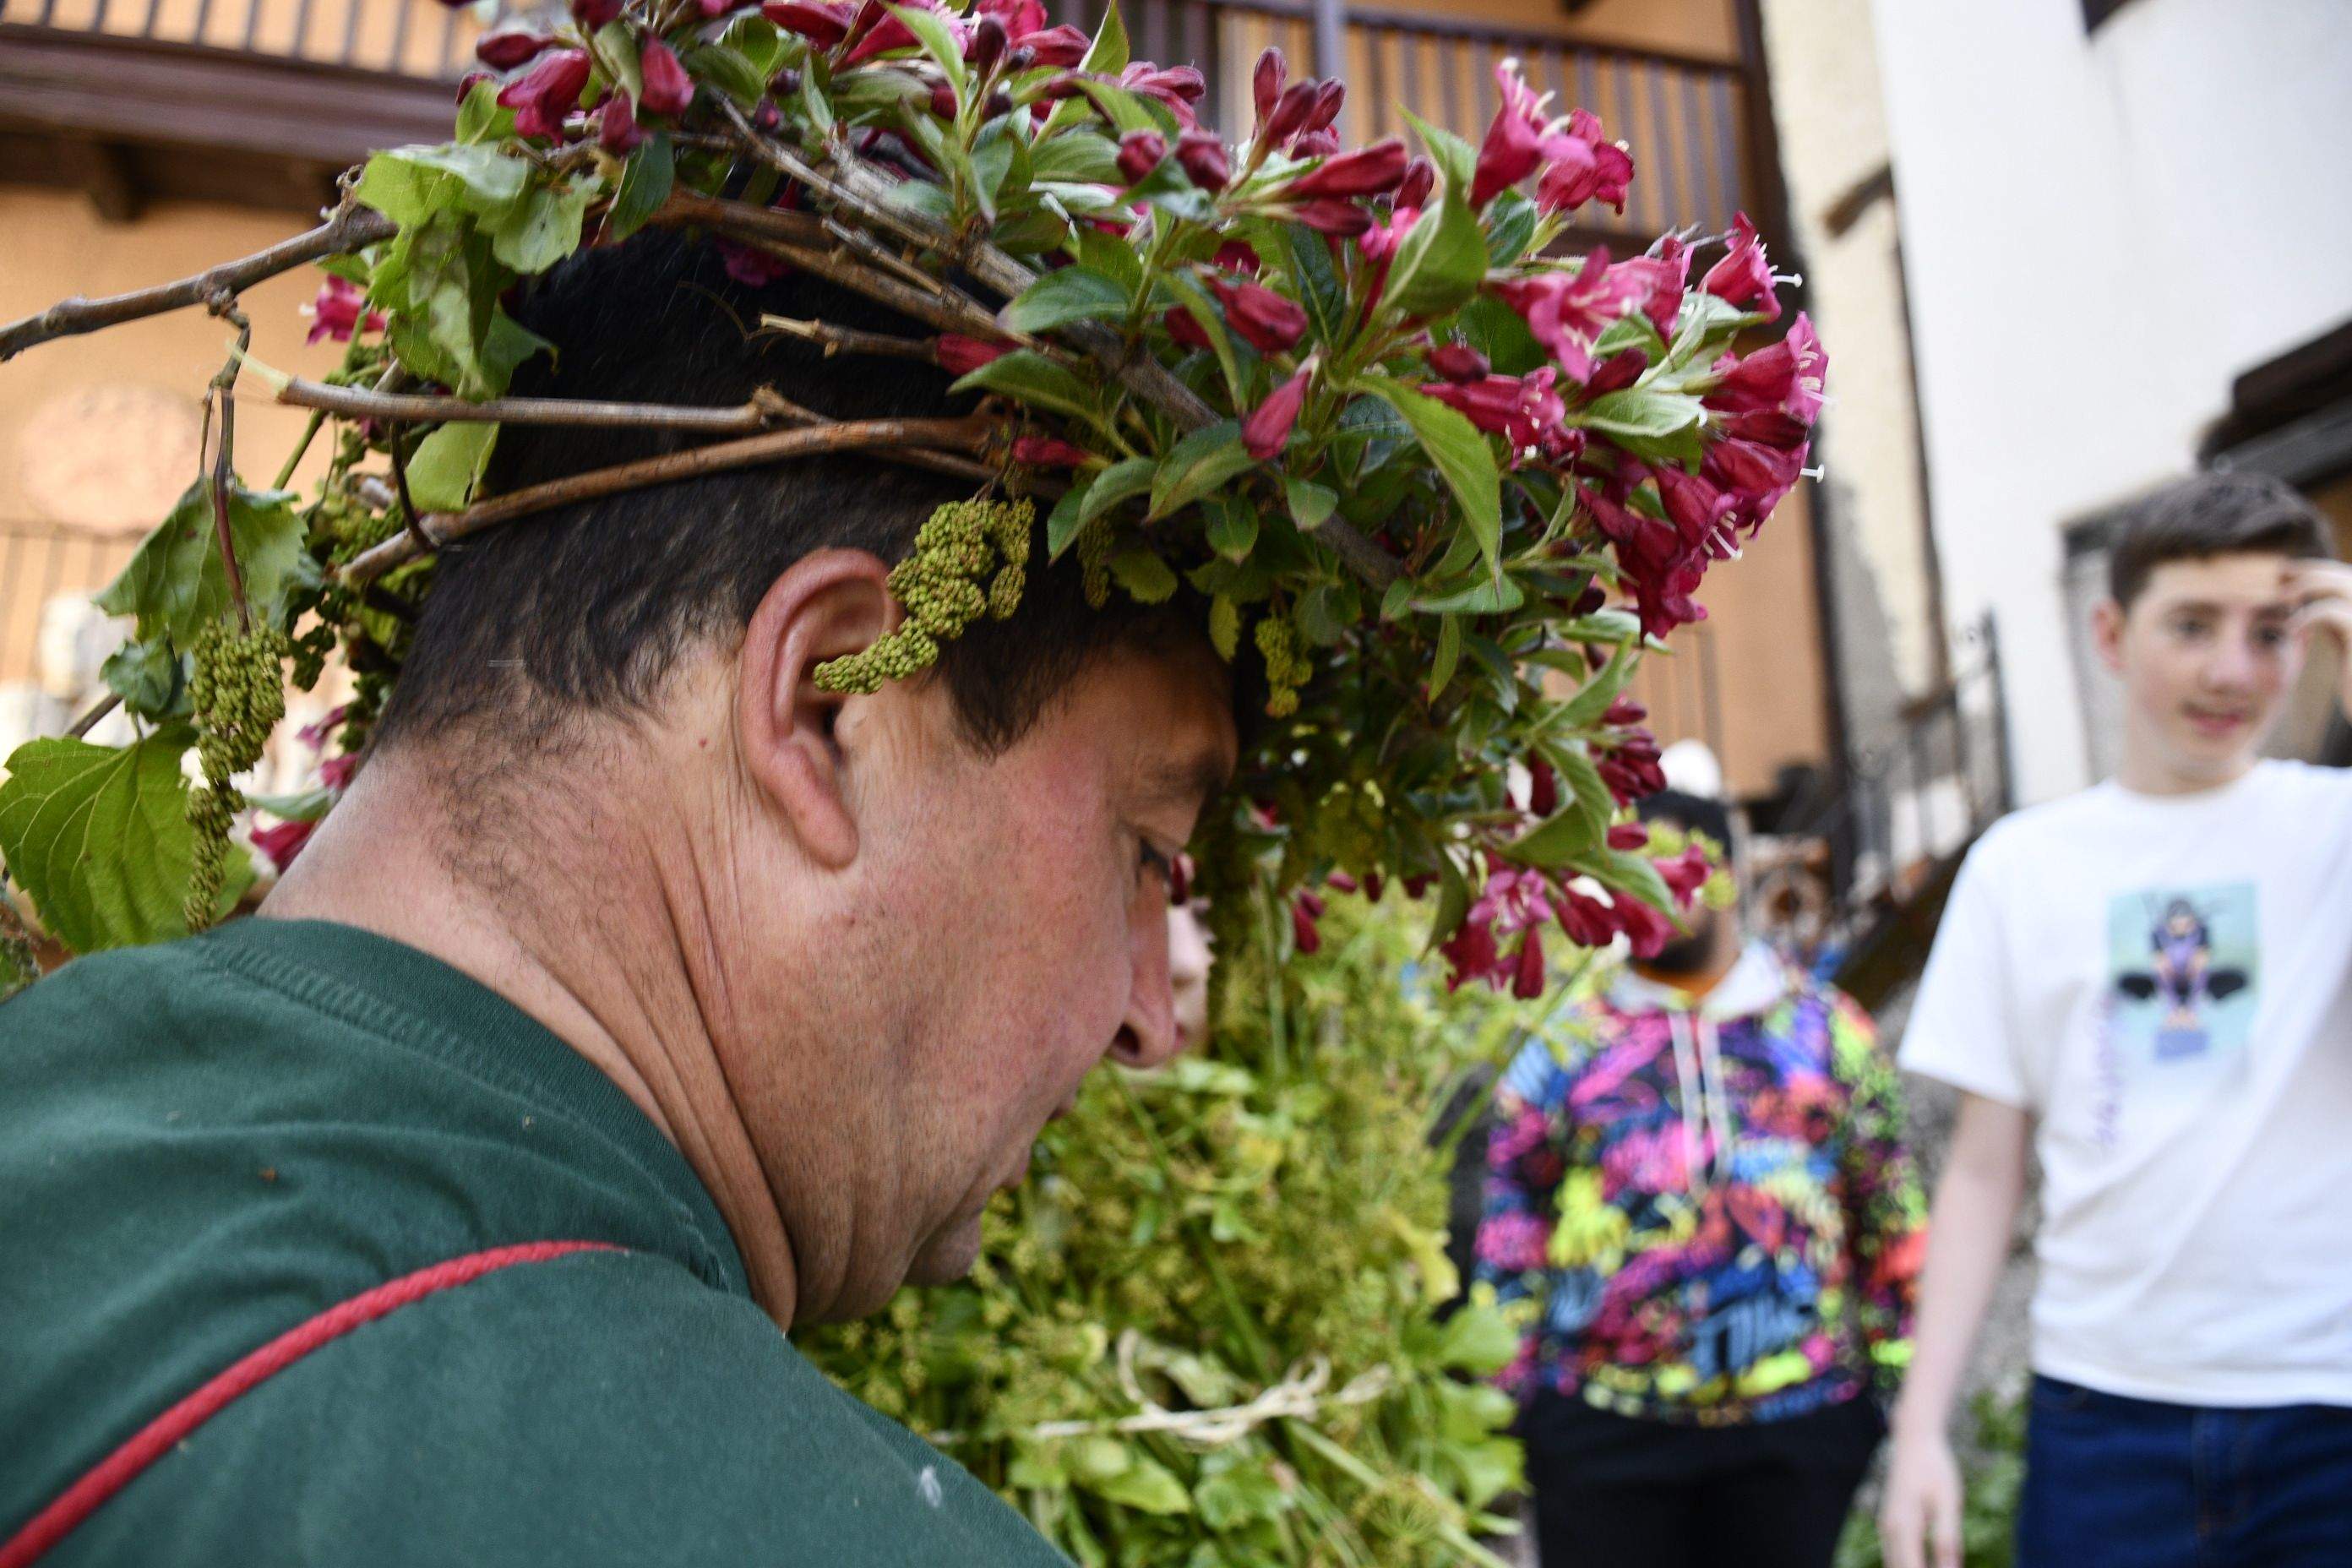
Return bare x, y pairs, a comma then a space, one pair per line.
1147, 1036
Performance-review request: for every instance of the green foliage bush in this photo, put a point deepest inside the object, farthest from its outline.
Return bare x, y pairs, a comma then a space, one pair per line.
1264, 1209
1994, 1463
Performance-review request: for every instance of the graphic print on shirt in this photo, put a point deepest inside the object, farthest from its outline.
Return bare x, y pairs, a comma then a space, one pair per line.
2184, 967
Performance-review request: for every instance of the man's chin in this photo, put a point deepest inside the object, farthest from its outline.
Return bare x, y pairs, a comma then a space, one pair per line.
947, 1255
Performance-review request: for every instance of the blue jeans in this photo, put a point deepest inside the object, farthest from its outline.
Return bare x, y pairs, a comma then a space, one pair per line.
2131, 1483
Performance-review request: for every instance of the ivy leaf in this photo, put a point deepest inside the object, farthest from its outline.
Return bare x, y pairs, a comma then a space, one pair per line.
1116, 484
1070, 294
148, 677
1233, 528
175, 584
99, 837
1461, 454
644, 184
1147, 578
1145, 1485
1030, 378
448, 465
1197, 464
1441, 261
1312, 504
537, 233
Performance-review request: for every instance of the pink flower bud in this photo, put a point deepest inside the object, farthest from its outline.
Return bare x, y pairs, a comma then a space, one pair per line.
1202, 156
1049, 452
1543, 787
503, 48
1343, 882
1330, 94
1373, 886
669, 89
1139, 153
546, 94
1339, 217
1314, 144
617, 129
943, 101
1269, 427
594, 14
1266, 81
751, 267
1624, 710
1184, 329
466, 83
283, 842
1366, 171
1289, 115
1270, 322
987, 45
1527, 975
337, 313
1616, 373
960, 355
1236, 256
1302, 927
1420, 179
1063, 47
1459, 362
1628, 835
1743, 277
823, 23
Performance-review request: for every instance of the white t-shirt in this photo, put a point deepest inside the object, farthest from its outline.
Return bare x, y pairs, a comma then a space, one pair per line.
2166, 982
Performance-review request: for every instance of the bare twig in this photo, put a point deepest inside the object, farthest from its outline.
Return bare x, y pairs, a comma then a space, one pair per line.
948, 436
224, 304
410, 524
351, 227
361, 403
99, 709
836, 340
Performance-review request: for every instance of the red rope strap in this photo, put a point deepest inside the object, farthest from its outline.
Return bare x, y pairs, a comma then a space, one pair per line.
154, 1440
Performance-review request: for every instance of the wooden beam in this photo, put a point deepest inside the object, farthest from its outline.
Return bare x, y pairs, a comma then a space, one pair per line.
103, 170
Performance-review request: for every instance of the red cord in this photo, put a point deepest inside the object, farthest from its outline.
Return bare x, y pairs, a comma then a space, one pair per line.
152, 1441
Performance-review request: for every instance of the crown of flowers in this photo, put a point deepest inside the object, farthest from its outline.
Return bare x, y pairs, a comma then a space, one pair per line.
1442, 480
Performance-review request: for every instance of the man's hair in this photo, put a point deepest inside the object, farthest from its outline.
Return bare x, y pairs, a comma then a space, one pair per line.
588, 608
2207, 515
1690, 811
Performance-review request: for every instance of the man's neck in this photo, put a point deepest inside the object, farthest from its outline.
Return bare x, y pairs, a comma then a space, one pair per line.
1696, 983
607, 978
2146, 769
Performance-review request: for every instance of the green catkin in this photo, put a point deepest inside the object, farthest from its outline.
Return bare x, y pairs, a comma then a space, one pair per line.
1093, 560
1286, 672
237, 689
1224, 627
962, 545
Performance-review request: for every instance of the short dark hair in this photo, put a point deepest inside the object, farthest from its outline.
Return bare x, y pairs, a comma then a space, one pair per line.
588, 608
2211, 514
1690, 811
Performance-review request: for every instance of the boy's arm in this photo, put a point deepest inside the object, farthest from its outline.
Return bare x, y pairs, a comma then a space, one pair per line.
1974, 1212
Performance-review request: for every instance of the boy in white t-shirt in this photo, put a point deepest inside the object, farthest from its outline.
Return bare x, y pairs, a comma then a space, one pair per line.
2151, 981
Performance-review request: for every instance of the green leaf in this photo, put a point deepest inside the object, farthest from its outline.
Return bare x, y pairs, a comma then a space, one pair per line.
99, 837
1312, 504
1107, 55
175, 584
616, 44
407, 184
1319, 288
304, 805
1628, 872
1502, 334
1070, 294
727, 70
645, 184
1145, 576
147, 676
1145, 1485
1455, 159
1591, 703
1641, 412
1127, 110
1441, 261
1513, 220
1116, 484
447, 464
932, 34
1197, 464
1448, 654
1572, 830
1030, 379
1490, 594
1063, 525
1197, 304
537, 233
480, 118
1461, 454
1232, 527
1478, 1339
1082, 157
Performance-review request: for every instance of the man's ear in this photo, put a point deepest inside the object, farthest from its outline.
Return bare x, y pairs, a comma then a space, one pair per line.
2108, 634
829, 602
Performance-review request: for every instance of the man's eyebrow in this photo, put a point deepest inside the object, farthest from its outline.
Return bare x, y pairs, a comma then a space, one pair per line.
1194, 780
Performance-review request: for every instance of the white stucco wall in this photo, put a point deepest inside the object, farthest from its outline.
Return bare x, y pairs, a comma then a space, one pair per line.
2100, 232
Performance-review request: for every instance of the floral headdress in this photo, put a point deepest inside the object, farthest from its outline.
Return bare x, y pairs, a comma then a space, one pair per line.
1442, 480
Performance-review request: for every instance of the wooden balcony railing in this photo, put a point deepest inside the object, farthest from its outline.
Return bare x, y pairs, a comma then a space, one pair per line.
334, 73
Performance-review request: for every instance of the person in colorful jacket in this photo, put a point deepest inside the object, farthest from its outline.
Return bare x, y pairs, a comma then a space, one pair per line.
1698, 1181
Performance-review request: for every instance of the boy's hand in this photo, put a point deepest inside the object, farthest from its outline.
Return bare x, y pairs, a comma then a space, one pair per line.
2322, 590
1919, 1510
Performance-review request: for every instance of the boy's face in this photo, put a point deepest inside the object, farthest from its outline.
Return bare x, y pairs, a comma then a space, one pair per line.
2206, 653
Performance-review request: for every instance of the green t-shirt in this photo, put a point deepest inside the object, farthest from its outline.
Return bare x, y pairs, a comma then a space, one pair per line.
205, 1144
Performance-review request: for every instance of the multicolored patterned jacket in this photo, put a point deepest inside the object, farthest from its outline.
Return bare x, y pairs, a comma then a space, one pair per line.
1711, 1206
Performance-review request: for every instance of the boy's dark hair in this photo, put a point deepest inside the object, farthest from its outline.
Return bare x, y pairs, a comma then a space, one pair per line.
588, 606
1690, 811
2212, 514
